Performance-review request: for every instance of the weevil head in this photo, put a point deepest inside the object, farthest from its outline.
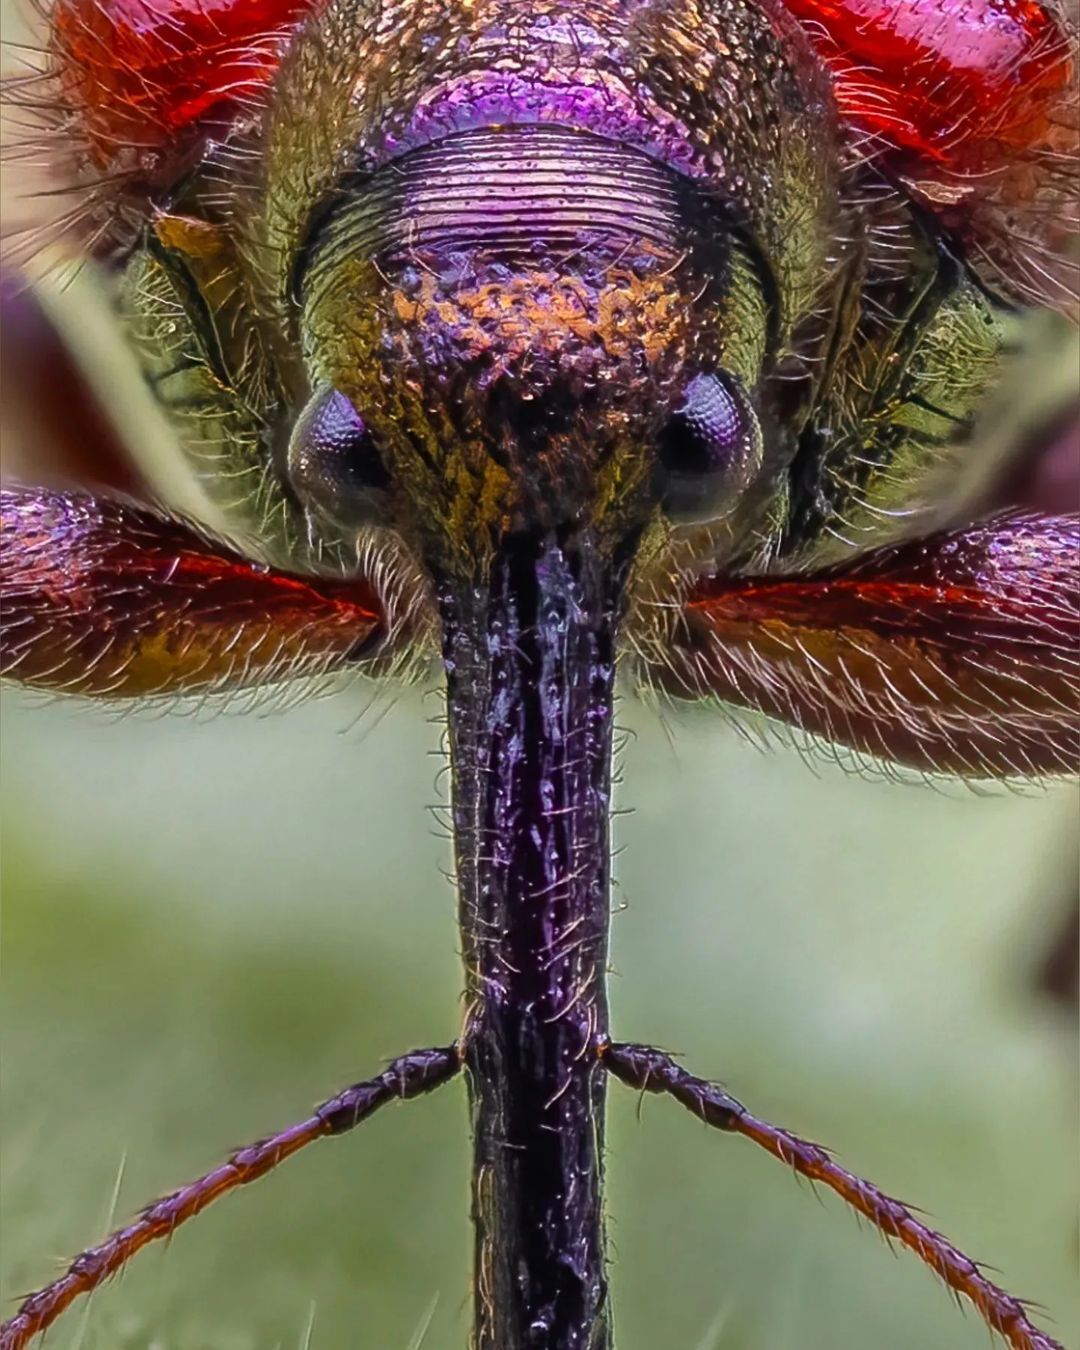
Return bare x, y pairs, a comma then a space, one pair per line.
518, 360
544, 296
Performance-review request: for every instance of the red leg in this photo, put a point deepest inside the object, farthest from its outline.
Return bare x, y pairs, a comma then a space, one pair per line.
954, 654
410, 1076
105, 598
651, 1070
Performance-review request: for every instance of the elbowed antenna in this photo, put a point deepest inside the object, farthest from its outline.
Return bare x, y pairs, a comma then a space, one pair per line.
409, 1076
650, 1070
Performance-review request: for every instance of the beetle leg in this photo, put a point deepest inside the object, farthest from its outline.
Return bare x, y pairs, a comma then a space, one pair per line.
105, 598
410, 1076
953, 654
649, 1070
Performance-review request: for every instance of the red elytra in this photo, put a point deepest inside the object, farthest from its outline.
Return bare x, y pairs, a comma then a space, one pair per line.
956, 86
138, 74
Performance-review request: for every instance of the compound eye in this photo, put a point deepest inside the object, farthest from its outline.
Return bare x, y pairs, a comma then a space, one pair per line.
334, 465
709, 450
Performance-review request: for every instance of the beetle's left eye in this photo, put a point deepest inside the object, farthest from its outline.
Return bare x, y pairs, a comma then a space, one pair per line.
709, 450
334, 465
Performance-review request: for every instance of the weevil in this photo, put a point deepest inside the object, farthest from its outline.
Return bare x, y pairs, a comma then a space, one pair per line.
544, 342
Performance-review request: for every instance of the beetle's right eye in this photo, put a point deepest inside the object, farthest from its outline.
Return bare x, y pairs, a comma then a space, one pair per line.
334, 465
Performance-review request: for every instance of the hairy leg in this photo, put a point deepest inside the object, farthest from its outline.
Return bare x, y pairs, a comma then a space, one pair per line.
410, 1076
650, 1070
109, 599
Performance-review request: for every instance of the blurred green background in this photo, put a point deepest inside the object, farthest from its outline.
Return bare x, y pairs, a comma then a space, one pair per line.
211, 922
